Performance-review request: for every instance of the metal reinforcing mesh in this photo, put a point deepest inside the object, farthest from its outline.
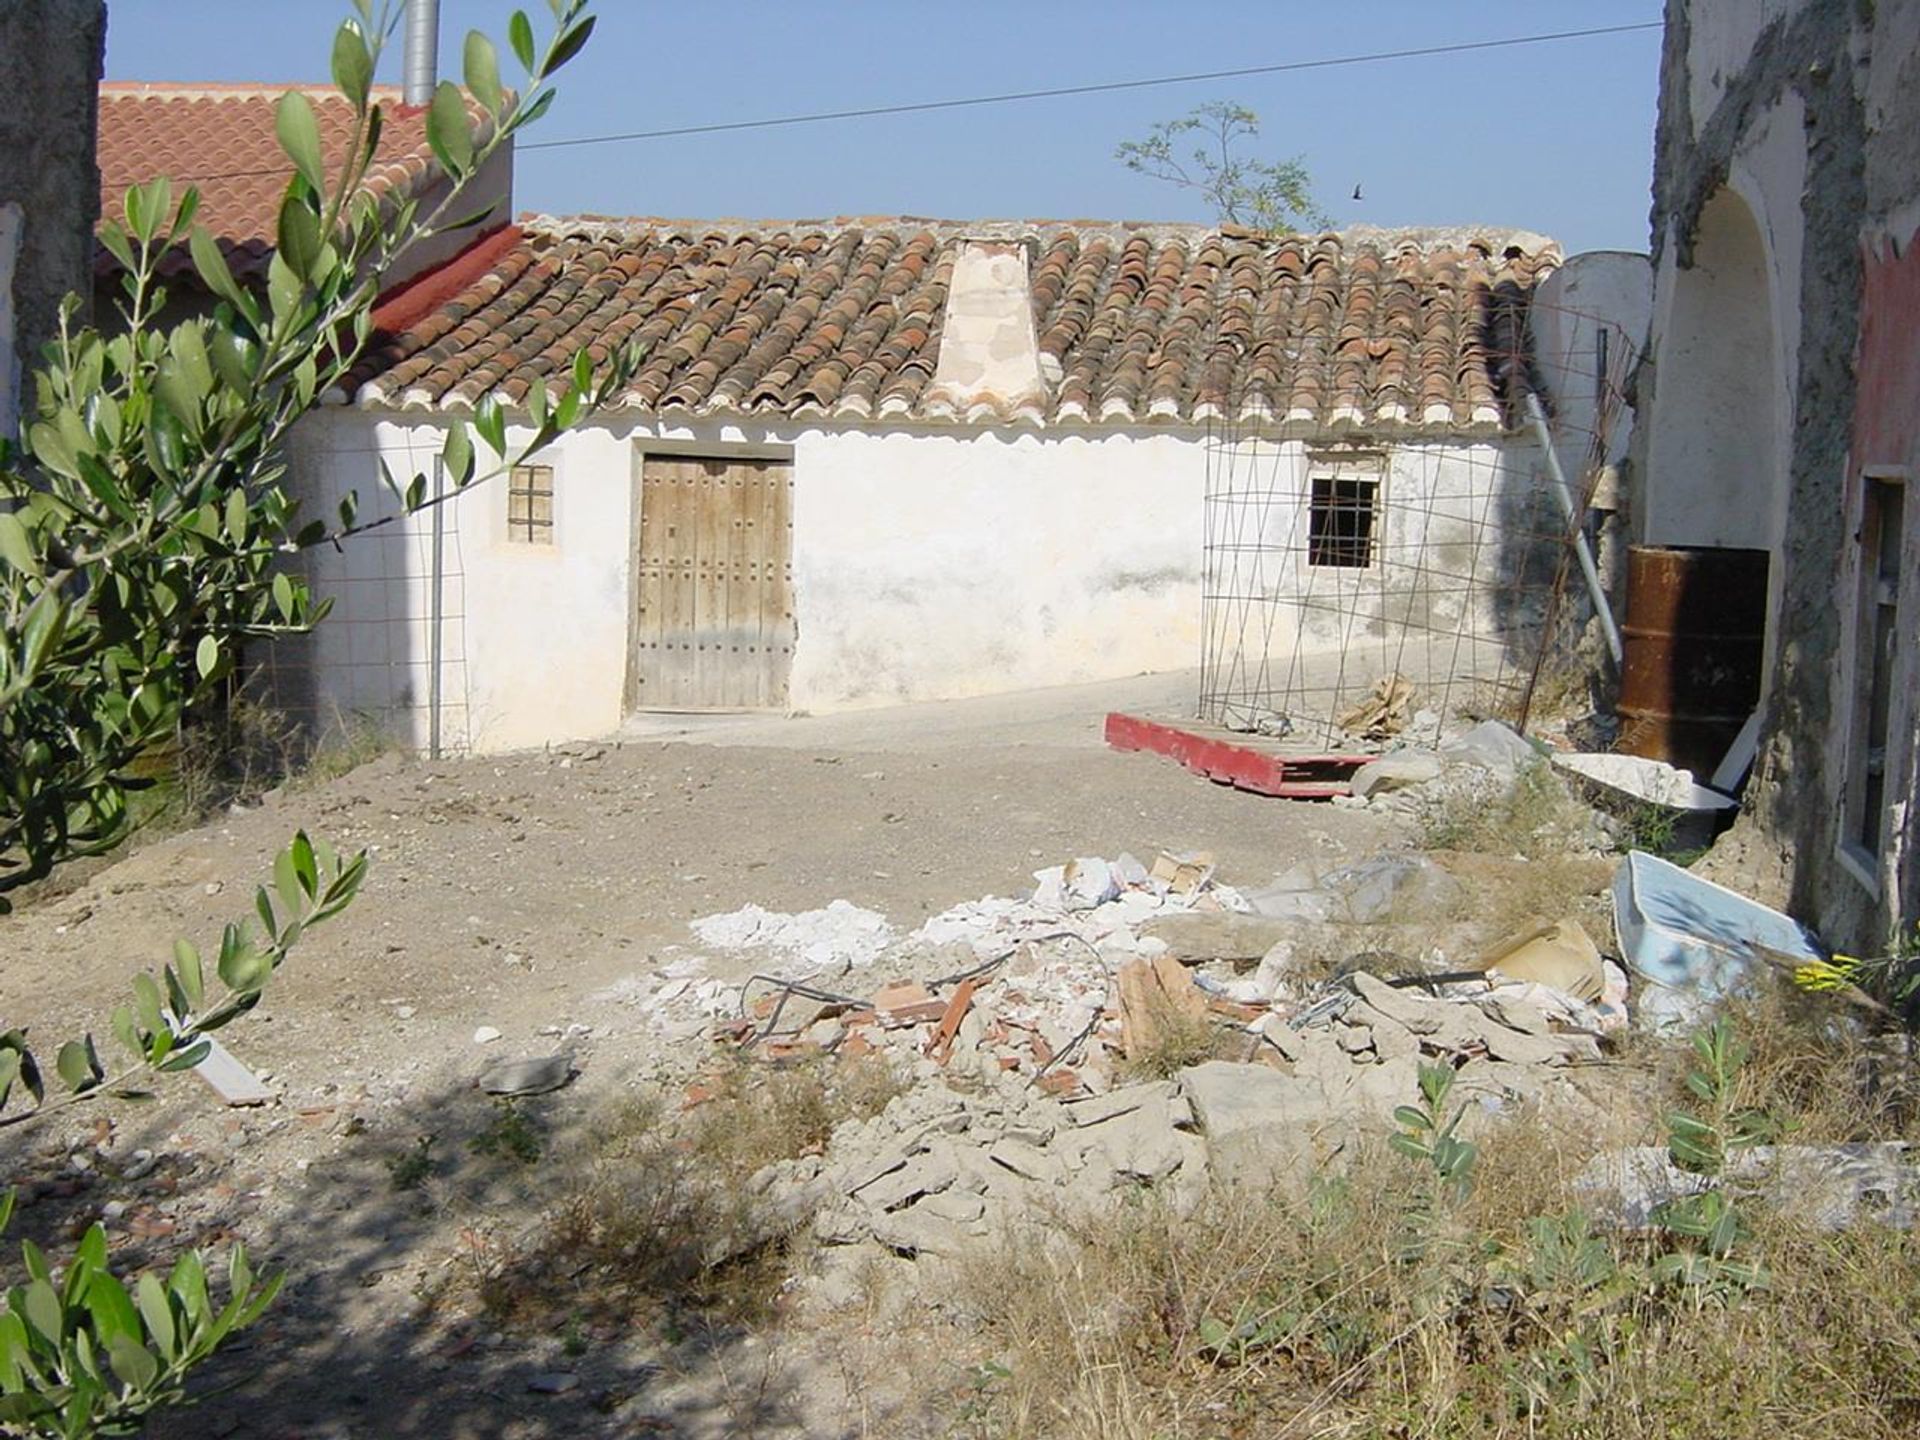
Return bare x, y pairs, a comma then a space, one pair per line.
1392, 584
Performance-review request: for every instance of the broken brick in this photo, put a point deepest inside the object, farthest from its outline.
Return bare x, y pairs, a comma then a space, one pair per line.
1063, 1081
941, 1044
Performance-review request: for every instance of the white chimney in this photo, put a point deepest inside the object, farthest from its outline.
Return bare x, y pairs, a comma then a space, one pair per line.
422, 53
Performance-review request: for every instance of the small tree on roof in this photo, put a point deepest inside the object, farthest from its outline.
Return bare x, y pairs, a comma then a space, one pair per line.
1275, 195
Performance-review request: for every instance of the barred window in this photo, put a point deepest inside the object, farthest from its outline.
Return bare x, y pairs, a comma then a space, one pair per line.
1340, 522
530, 505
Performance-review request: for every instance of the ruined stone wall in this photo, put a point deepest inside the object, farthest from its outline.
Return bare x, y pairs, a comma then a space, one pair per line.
1809, 112
50, 63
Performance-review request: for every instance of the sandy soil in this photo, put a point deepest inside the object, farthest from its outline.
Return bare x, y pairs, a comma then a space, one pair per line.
508, 892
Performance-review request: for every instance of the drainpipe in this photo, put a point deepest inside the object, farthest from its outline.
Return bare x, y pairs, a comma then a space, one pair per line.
1570, 508
436, 610
422, 53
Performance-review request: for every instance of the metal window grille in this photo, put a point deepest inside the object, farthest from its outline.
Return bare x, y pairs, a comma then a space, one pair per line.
1340, 522
530, 505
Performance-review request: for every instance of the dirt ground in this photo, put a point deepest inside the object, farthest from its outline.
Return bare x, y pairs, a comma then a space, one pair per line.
509, 892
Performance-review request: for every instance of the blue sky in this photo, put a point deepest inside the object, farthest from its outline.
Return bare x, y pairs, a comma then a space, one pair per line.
1554, 137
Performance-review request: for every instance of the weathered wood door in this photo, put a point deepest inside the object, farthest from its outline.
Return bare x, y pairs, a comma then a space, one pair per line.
713, 598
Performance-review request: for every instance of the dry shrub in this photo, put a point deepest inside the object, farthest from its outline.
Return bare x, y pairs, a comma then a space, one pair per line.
655, 1213
1366, 1308
1536, 817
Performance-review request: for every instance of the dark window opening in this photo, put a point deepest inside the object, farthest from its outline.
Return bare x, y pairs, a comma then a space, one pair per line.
1340, 523
1877, 654
530, 505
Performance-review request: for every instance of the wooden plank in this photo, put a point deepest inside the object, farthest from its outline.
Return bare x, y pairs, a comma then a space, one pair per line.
776, 549
233, 1082
742, 689
677, 612
710, 675
649, 590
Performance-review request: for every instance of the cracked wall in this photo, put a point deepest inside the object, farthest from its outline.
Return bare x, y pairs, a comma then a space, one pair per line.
1807, 113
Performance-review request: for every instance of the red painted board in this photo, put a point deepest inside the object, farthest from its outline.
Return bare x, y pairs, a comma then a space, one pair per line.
1294, 777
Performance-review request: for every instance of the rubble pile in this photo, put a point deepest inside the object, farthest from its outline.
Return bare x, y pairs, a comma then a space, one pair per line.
942, 1167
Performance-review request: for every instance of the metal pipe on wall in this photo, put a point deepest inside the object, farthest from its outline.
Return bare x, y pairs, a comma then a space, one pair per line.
422, 54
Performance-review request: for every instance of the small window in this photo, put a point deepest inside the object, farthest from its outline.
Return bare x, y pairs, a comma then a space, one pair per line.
530, 505
1340, 522
1876, 654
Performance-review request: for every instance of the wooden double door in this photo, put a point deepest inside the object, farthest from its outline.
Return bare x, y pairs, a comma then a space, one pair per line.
713, 594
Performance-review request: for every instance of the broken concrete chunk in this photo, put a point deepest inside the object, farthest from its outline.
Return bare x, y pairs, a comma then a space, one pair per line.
1255, 1121
1027, 1161
1832, 1186
1123, 1101
1396, 772
918, 1232
1412, 1013
1194, 937
926, 1175
527, 1077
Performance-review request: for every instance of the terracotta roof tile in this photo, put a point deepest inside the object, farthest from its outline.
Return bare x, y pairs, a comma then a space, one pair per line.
220, 139
1133, 323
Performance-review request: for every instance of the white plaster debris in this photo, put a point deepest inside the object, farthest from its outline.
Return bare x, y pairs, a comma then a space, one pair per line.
840, 935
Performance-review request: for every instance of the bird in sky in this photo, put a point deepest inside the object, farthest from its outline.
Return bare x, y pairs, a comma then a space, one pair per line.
1356, 193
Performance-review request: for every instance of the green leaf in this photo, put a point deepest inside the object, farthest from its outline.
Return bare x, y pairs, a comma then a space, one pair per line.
146, 1004
448, 130
283, 596
40, 1307
286, 880
214, 274
456, 456
352, 63
299, 235
113, 235
569, 45
151, 1298
490, 422
188, 1058
133, 1364
482, 65
304, 868
193, 978
520, 37
299, 132
75, 1067
206, 656
15, 548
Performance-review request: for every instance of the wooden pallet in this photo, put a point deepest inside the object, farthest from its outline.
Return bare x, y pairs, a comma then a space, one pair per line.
1247, 762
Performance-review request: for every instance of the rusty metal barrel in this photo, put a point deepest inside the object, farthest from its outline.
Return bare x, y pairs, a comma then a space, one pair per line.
1695, 643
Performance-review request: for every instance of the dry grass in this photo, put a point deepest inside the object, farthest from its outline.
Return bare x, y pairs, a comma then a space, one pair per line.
656, 1216
1266, 1314
1534, 818
1177, 1039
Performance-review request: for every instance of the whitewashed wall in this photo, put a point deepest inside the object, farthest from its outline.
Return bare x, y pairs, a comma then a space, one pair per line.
928, 564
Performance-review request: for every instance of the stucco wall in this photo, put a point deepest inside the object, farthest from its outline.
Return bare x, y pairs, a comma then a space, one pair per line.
1806, 115
50, 57
928, 563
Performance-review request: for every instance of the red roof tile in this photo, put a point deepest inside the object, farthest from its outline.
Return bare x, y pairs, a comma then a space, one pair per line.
1134, 323
220, 139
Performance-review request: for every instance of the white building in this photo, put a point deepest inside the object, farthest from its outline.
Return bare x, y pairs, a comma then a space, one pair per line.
875, 461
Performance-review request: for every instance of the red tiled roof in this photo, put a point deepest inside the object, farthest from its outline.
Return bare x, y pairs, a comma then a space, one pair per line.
220, 139
843, 320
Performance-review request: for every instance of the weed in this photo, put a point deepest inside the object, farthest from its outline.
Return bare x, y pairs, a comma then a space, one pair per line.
1178, 1039
411, 1168
509, 1135
1533, 818
655, 1210
1303, 1311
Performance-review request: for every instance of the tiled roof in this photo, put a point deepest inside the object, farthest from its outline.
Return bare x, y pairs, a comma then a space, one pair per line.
1134, 323
220, 138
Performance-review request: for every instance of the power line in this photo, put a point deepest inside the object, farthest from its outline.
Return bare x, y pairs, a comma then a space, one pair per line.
1013, 96
1107, 87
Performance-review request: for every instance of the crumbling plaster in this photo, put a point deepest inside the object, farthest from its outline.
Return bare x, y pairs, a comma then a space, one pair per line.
1735, 76
929, 562
51, 52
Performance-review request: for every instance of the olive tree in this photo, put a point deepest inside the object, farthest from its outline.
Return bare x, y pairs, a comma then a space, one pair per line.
145, 529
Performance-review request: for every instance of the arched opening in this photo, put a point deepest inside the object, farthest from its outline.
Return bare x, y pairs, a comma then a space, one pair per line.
1703, 583
1714, 476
